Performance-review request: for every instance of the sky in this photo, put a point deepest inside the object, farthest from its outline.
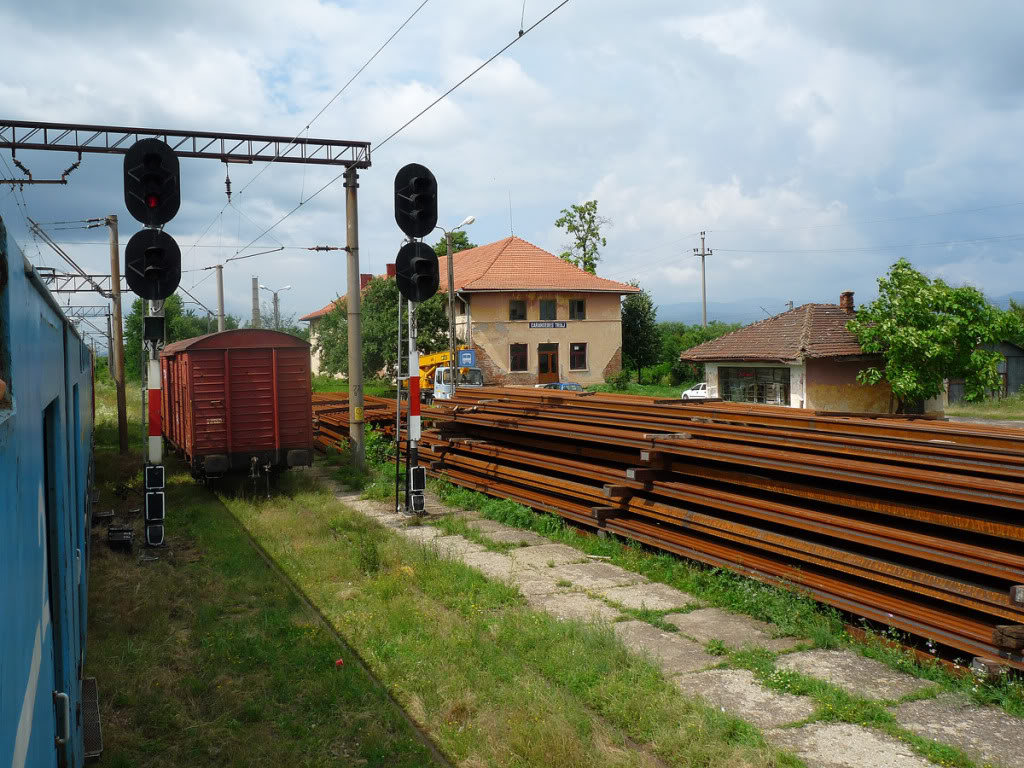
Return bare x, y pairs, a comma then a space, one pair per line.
815, 143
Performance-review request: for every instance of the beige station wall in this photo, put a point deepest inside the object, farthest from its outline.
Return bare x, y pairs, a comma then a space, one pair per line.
832, 386
491, 333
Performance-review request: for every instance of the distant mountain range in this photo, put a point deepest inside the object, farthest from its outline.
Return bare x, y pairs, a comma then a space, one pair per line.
752, 310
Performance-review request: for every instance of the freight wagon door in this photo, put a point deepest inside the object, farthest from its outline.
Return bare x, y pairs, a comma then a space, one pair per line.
294, 402
251, 398
207, 376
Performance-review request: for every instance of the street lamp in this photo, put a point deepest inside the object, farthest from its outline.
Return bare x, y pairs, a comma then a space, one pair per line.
277, 314
451, 297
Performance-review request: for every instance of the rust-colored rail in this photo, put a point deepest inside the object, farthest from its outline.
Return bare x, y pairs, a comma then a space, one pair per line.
916, 524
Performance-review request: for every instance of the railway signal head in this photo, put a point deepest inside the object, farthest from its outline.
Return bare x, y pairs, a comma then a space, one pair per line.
416, 271
152, 189
416, 200
152, 264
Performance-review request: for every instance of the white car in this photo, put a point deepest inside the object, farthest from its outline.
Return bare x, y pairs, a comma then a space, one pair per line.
696, 392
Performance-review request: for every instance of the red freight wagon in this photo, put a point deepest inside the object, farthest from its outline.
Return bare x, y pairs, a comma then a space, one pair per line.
238, 401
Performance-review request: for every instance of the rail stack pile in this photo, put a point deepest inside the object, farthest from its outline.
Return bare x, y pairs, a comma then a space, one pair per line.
331, 422
913, 524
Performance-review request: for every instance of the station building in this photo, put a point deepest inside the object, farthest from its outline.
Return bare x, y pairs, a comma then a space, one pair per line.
533, 318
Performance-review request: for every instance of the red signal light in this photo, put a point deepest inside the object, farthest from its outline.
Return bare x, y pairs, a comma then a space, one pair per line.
152, 201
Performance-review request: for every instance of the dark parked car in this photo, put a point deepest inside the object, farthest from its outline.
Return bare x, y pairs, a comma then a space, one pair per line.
568, 386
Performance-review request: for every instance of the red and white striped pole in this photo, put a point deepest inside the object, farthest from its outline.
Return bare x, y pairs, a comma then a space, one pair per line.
153, 472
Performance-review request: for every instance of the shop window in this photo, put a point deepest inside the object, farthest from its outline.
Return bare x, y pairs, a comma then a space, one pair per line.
577, 357
517, 357
577, 309
754, 385
548, 309
517, 309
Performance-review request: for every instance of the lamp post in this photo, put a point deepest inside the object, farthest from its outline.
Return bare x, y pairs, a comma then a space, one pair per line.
451, 297
277, 313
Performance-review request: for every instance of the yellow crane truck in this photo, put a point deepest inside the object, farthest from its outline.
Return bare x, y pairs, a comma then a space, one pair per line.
436, 376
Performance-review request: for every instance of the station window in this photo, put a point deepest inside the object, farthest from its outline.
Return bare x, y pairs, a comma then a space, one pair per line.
577, 357
517, 309
517, 357
577, 309
548, 309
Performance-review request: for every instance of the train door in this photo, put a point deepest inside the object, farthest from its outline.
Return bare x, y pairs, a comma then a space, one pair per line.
55, 591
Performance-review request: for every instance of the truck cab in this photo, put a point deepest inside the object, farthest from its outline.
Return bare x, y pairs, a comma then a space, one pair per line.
465, 377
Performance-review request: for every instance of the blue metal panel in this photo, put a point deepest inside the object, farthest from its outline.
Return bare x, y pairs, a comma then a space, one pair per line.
44, 526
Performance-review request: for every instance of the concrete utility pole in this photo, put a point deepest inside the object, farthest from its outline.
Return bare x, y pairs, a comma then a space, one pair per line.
703, 286
357, 443
255, 302
220, 297
277, 312
116, 352
452, 362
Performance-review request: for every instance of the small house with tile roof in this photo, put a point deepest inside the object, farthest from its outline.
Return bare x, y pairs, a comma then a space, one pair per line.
314, 318
532, 317
804, 358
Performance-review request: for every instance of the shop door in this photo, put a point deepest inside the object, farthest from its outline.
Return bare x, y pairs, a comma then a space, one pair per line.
547, 363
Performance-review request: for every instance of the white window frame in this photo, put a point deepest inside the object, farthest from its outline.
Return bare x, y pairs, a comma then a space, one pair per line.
586, 355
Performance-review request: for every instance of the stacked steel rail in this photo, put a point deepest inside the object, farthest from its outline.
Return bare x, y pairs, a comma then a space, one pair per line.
913, 524
331, 421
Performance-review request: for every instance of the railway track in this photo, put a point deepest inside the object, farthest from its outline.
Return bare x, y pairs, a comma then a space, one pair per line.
915, 524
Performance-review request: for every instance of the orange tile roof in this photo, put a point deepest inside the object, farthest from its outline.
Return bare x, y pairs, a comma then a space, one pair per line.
320, 312
513, 264
810, 330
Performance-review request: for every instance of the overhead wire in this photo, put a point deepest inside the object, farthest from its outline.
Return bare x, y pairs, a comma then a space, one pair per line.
376, 147
314, 119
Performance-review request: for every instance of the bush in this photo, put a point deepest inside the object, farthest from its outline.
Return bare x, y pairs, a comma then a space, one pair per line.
619, 381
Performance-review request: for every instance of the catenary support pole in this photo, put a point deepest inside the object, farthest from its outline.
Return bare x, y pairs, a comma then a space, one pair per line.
255, 302
277, 313
357, 445
220, 297
116, 352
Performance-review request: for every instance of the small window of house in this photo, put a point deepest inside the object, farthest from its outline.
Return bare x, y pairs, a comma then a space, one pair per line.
517, 309
577, 357
517, 357
548, 309
460, 307
577, 309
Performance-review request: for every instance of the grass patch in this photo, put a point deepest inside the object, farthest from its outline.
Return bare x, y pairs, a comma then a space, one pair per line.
207, 657
375, 387
790, 611
652, 390
1011, 407
492, 681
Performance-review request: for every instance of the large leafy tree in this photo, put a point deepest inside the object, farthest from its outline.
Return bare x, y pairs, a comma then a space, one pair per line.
379, 310
583, 224
641, 342
678, 337
180, 323
460, 242
927, 331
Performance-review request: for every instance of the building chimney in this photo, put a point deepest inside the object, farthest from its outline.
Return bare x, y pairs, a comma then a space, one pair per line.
846, 302
364, 280
392, 270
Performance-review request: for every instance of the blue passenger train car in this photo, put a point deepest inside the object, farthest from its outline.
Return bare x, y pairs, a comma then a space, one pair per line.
46, 466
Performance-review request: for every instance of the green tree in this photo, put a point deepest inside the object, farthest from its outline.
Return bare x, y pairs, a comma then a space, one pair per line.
180, 323
678, 337
927, 331
641, 342
288, 324
584, 225
460, 242
379, 309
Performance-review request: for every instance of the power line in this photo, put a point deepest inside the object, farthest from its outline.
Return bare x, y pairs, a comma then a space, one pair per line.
340, 91
297, 135
522, 33
376, 147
